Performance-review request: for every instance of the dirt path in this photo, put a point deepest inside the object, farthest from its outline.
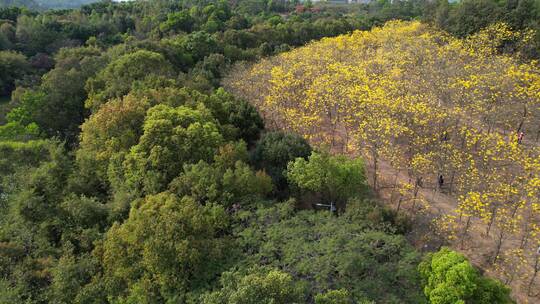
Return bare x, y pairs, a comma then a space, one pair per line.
431, 205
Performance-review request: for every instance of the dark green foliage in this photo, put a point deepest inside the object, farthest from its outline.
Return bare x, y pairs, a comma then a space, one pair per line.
275, 150
20, 154
222, 183
199, 45
45, 4
467, 17
71, 276
473, 15
35, 36
12, 67
12, 12
56, 107
179, 21
238, 113
329, 252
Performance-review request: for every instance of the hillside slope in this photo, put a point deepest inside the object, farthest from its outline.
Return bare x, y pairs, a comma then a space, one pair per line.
440, 120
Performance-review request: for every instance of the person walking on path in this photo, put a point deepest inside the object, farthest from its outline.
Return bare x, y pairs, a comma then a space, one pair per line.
520, 137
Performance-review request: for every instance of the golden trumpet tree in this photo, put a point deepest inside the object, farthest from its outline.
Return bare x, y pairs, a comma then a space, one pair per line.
412, 98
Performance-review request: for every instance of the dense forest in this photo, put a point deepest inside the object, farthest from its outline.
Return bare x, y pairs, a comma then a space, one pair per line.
137, 164
45, 4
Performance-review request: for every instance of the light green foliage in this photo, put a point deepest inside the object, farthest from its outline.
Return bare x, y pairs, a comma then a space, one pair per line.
15, 131
168, 246
30, 103
259, 286
450, 278
172, 137
336, 178
340, 296
237, 118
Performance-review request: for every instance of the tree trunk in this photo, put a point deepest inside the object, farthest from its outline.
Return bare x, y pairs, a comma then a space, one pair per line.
499, 246
375, 168
522, 118
524, 238
491, 220
535, 274
467, 225
394, 187
451, 185
416, 189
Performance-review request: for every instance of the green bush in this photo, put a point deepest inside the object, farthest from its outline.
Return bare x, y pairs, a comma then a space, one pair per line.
335, 178
448, 278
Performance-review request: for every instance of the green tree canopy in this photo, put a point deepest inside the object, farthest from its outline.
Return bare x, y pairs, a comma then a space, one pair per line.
57, 105
449, 278
275, 150
171, 138
113, 129
168, 246
178, 21
119, 77
13, 66
340, 296
352, 252
222, 185
336, 178
265, 286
